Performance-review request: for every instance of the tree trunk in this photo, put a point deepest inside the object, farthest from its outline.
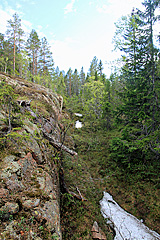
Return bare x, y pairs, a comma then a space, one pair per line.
14, 54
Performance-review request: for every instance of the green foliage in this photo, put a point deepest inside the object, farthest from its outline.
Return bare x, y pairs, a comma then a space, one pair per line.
93, 97
124, 153
138, 112
6, 93
67, 200
9, 105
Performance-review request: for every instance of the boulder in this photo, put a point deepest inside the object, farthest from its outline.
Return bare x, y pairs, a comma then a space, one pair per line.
50, 212
97, 232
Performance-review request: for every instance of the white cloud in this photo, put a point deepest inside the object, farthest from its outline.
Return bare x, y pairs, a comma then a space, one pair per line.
70, 7
119, 8
4, 17
39, 27
26, 26
63, 48
91, 3
71, 53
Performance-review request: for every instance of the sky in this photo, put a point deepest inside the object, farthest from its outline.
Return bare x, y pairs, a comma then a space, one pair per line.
77, 30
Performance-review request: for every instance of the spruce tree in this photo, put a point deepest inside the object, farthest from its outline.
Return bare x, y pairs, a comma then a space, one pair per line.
140, 136
93, 67
45, 58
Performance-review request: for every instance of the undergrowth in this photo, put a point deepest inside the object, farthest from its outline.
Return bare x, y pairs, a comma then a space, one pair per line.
93, 171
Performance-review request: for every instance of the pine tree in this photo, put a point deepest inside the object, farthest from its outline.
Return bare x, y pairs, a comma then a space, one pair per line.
60, 84
69, 82
3, 57
46, 60
6, 55
15, 33
33, 46
82, 77
76, 83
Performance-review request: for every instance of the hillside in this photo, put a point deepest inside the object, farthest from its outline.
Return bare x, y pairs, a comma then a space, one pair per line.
53, 176
30, 145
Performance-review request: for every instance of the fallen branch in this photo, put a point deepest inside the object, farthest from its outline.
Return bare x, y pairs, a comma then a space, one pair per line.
50, 138
77, 196
57, 144
83, 199
65, 189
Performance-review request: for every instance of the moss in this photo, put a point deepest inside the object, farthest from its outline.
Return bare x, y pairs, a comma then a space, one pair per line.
33, 194
39, 193
94, 172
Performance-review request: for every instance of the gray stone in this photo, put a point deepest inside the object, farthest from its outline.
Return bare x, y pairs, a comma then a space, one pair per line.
97, 232
9, 209
10, 232
31, 127
27, 164
14, 184
46, 184
34, 148
29, 204
50, 212
3, 193
10, 167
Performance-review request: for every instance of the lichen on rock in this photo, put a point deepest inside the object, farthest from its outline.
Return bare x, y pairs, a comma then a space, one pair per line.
29, 184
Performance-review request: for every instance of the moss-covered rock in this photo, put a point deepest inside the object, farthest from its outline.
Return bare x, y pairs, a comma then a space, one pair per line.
29, 185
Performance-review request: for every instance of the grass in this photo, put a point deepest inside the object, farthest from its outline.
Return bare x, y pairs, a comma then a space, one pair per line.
94, 172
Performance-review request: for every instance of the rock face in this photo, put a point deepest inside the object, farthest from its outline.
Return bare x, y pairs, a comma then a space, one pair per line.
29, 183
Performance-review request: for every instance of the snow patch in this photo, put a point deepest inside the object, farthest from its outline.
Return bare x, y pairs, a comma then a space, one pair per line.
125, 225
78, 124
78, 114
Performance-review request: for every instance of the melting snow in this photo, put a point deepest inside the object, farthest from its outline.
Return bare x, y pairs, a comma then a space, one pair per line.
78, 114
125, 225
78, 124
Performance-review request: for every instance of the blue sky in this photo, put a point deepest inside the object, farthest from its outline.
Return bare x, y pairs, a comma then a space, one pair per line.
77, 30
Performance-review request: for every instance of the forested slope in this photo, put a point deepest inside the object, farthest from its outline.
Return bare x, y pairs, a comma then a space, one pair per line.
119, 144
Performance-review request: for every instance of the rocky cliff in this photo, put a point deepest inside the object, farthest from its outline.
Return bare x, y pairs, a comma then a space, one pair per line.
31, 129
